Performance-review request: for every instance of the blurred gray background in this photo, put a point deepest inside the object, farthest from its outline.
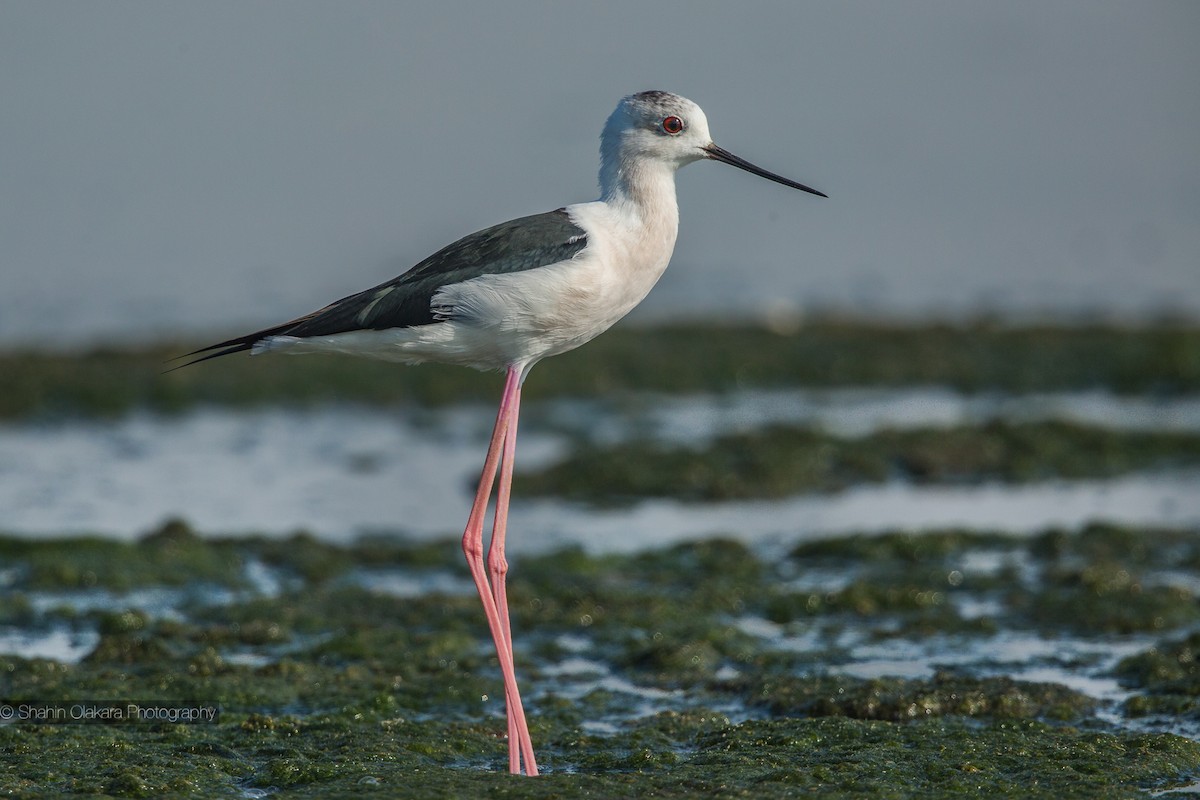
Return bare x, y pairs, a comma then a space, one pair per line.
182, 168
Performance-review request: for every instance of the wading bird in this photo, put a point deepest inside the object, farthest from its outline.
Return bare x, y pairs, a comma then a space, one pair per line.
508, 296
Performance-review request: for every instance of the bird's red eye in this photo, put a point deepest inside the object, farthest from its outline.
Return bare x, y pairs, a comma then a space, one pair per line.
672, 125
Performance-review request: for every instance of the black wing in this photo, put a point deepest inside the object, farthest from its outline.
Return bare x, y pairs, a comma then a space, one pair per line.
404, 302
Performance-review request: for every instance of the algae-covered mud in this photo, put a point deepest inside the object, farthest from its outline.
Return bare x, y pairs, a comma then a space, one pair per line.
1160, 359
948, 663
847, 561
778, 461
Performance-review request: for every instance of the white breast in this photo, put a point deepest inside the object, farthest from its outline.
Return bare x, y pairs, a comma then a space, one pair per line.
526, 316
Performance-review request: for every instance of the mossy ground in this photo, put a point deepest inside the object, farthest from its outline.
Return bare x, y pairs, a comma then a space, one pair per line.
1162, 358
641, 673
782, 461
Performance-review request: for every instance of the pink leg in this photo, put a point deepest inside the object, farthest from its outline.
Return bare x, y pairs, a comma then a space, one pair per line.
498, 570
473, 549
519, 738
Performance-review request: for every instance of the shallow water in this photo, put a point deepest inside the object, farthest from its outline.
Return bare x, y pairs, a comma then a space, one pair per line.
859, 412
341, 471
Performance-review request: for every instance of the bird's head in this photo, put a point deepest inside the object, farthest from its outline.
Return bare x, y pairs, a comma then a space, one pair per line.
666, 129
656, 125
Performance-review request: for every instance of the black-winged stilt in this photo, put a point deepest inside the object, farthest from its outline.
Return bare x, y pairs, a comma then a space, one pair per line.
510, 295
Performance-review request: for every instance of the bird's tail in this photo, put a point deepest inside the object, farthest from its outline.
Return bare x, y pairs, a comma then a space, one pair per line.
257, 342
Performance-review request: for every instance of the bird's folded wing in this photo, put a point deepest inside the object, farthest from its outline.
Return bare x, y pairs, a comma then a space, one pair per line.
404, 302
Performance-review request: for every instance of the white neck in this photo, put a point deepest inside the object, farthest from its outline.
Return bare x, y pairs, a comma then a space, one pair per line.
642, 188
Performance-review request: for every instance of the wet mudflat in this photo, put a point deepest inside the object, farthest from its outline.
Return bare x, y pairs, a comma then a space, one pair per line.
944, 663
684, 626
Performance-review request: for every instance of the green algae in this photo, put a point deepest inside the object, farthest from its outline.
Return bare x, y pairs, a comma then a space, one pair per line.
1171, 667
171, 556
346, 690
911, 547
780, 461
1101, 579
949, 759
1107, 597
677, 358
900, 700
1169, 676
786, 757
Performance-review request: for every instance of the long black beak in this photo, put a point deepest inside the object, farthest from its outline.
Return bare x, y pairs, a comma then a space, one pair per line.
723, 155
